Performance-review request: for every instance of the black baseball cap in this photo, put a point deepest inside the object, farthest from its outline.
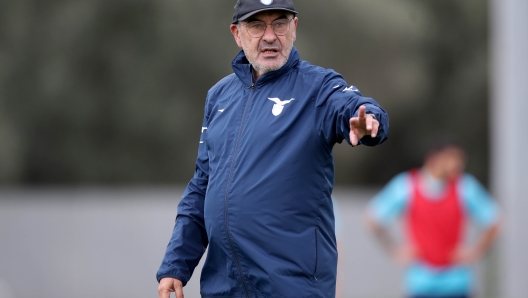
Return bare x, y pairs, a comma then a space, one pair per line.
246, 8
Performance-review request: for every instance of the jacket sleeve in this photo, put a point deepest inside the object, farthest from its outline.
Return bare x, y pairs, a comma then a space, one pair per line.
337, 102
189, 238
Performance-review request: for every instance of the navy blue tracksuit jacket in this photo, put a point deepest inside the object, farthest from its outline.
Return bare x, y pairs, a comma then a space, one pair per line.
260, 195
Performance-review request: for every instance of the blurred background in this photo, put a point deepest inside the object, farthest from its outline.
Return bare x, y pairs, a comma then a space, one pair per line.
101, 104
112, 92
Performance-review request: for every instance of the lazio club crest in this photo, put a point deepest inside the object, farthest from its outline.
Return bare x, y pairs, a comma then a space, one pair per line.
279, 105
266, 2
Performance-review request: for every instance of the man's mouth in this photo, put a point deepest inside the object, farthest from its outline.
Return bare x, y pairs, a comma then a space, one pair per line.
269, 51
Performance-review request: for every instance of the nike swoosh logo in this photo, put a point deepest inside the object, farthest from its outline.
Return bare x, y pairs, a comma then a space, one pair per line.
336, 86
221, 111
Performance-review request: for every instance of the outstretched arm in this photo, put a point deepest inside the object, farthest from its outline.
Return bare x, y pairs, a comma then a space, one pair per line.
343, 113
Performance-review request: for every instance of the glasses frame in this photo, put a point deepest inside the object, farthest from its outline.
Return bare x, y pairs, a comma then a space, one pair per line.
272, 29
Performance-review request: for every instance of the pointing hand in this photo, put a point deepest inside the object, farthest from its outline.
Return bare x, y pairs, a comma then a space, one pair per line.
362, 125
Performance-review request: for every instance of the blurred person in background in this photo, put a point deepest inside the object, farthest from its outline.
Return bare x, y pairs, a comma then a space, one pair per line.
436, 202
260, 198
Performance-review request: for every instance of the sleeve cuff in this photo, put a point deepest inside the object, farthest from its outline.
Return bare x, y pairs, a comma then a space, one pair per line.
172, 274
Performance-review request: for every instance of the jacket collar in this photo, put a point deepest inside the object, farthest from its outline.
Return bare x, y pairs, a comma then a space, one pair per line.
242, 69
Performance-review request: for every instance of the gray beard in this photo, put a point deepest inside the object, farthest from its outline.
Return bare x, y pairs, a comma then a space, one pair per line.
261, 69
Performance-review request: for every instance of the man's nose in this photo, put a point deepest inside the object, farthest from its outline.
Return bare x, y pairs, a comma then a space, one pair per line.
269, 36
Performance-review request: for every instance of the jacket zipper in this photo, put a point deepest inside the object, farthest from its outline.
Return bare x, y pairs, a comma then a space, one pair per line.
226, 216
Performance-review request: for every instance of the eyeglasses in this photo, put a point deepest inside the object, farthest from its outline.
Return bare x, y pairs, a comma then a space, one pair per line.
257, 28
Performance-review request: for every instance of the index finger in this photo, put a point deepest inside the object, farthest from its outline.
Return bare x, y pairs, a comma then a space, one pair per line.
165, 293
178, 289
179, 292
362, 112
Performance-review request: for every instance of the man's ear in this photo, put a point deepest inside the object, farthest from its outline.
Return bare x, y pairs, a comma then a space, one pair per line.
294, 33
235, 32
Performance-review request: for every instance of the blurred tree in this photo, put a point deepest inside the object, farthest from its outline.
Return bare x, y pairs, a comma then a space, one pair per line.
112, 92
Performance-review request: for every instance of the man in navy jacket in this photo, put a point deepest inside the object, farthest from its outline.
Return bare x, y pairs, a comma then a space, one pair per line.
260, 196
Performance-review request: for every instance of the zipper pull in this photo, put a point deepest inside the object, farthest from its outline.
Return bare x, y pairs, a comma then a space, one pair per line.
252, 86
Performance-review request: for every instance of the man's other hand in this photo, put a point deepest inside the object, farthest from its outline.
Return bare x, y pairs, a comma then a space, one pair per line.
168, 285
362, 125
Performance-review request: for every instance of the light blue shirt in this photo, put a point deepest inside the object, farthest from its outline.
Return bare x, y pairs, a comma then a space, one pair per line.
392, 202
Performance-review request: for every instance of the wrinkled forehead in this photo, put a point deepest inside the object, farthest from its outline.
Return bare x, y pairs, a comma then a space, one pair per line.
269, 16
